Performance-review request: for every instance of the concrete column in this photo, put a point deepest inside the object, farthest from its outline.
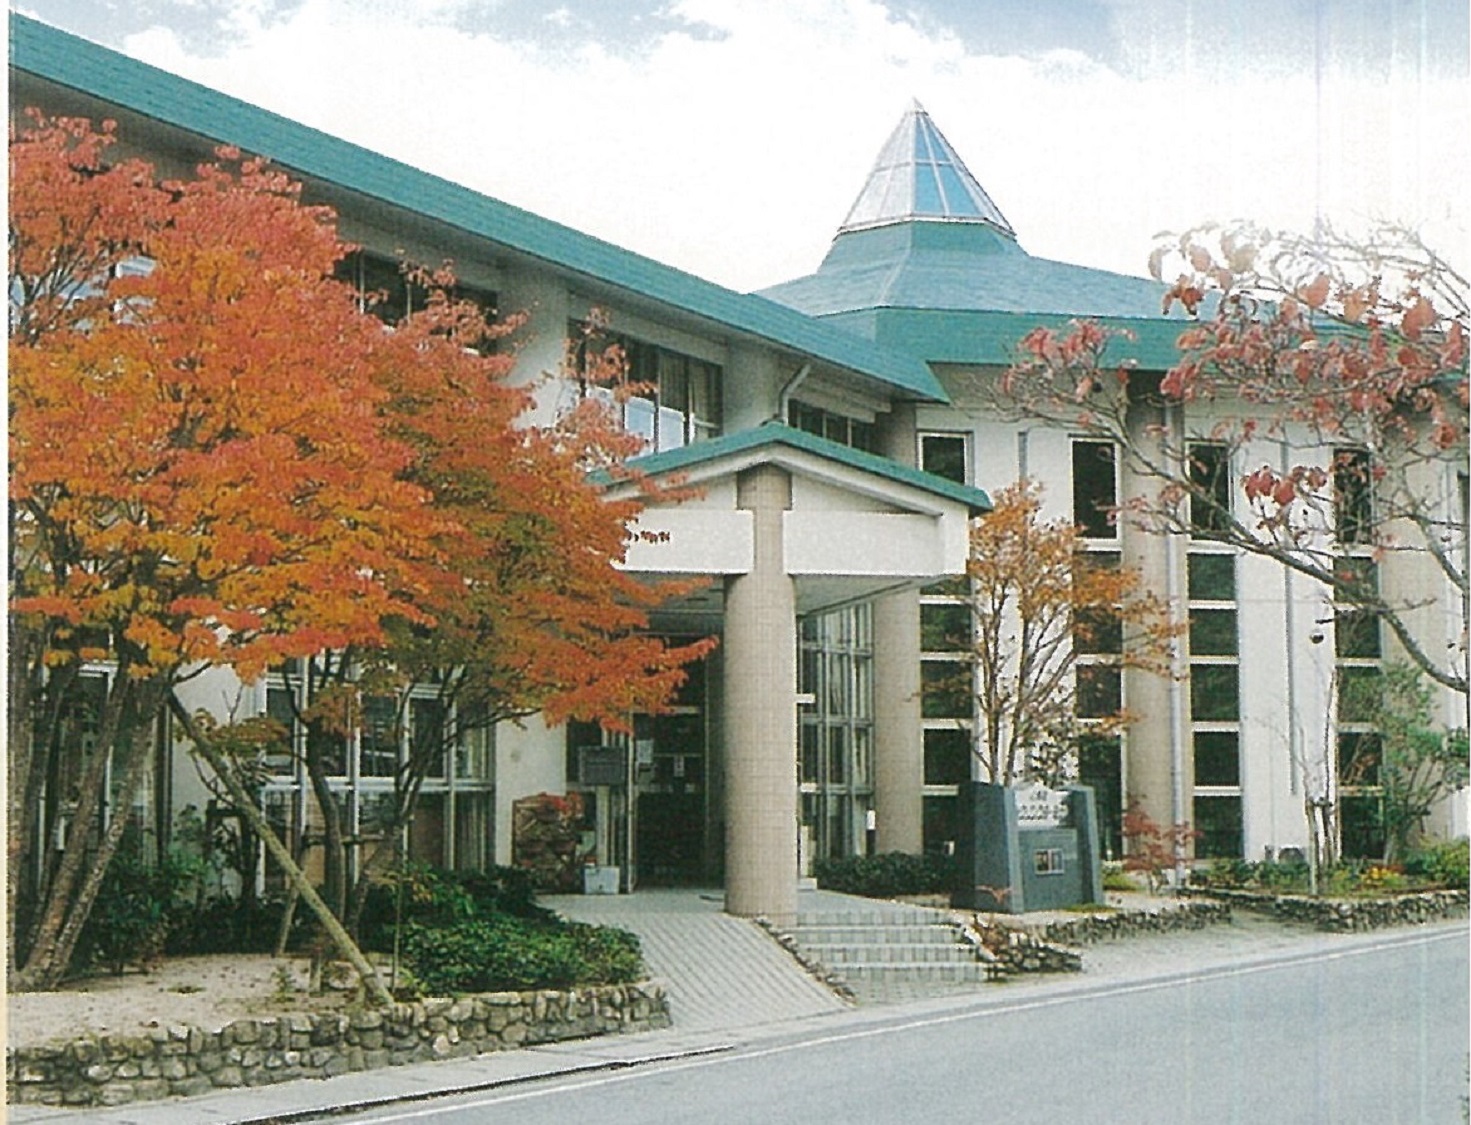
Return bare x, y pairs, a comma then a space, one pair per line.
898, 736
1160, 767
760, 679
898, 767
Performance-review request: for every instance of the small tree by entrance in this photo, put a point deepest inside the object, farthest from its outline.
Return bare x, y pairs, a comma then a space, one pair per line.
1044, 615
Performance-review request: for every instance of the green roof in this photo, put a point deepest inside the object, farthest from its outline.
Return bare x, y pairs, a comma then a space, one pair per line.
965, 293
775, 433
70, 61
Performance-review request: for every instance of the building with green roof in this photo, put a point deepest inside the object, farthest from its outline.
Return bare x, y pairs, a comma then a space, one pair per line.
839, 451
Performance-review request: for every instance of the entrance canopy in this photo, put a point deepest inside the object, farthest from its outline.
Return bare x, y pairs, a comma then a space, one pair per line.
858, 524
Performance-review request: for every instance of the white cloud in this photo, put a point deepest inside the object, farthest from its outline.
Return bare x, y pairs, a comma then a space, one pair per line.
734, 149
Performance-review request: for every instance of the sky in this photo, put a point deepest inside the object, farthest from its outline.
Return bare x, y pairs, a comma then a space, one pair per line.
730, 138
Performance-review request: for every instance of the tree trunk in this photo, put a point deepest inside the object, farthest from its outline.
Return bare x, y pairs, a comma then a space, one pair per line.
294, 874
128, 725
20, 756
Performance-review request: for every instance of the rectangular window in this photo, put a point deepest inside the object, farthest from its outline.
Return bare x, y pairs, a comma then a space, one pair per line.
838, 428
676, 398
1210, 489
1353, 495
945, 455
1218, 820
1217, 758
1359, 755
427, 735
1356, 634
1213, 632
281, 709
945, 689
1211, 578
1362, 826
1048, 861
1095, 488
1100, 691
1100, 765
1215, 693
378, 746
1360, 694
1098, 631
944, 627
941, 824
946, 756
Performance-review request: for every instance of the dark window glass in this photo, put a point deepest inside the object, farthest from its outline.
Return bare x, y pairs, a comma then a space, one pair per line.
1100, 691
944, 455
1098, 631
864, 436
944, 627
946, 756
810, 764
1359, 755
1218, 820
279, 708
1210, 499
378, 753
1361, 817
1211, 578
1095, 488
1215, 694
1353, 495
1360, 694
944, 689
1356, 634
806, 418
427, 734
1359, 578
1213, 632
1100, 766
941, 824
1217, 758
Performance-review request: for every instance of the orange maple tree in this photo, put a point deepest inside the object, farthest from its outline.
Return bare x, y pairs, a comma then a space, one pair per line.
218, 458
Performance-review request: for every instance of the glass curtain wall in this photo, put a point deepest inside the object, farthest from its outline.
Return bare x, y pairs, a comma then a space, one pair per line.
835, 757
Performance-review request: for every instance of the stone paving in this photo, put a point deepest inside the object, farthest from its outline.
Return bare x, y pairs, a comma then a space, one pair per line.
721, 972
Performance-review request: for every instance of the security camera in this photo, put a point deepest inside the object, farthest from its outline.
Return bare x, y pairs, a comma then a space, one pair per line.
1316, 636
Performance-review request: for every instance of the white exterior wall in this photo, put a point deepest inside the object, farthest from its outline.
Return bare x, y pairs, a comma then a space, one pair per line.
529, 758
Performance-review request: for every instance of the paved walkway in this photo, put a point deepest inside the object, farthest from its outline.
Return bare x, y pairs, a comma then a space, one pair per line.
721, 972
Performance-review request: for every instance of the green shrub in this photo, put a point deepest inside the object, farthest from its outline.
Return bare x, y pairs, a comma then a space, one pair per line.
435, 897
506, 953
1444, 864
887, 875
136, 906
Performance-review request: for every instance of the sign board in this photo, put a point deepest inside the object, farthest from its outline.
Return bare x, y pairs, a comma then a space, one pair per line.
602, 765
1040, 807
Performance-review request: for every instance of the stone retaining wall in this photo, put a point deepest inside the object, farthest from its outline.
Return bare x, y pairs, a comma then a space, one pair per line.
1107, 925
1350, 914
181, 1060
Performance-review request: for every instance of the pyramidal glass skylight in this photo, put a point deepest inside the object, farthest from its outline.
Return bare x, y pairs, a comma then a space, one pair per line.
918, 176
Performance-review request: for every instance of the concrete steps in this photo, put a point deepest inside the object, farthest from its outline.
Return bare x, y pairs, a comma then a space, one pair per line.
876, 947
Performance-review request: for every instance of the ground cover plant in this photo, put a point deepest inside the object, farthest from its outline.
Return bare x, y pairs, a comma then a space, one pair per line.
1434, 867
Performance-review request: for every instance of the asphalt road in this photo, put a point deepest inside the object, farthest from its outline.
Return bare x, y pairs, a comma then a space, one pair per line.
1373, 1033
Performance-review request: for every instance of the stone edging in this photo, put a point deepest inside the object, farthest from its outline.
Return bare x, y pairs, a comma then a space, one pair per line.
1107, 925
182, 1060
833, 980
1008, 945
1343, 915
